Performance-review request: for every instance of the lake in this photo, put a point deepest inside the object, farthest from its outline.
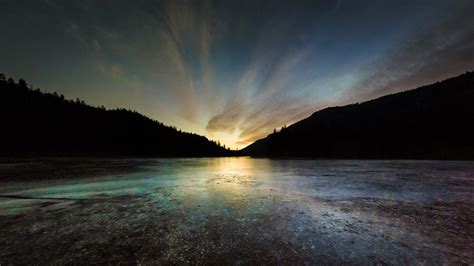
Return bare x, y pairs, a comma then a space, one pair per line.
236, 210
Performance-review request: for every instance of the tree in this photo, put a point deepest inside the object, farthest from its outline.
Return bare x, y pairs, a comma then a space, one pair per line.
22, 83
70, 126
2, 77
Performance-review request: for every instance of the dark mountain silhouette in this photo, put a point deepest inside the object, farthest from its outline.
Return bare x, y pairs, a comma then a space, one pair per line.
38, 123
431, 122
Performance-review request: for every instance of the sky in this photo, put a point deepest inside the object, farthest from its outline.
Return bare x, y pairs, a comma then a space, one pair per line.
233, 70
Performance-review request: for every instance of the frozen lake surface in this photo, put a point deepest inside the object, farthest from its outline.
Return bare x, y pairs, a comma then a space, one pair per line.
236, 210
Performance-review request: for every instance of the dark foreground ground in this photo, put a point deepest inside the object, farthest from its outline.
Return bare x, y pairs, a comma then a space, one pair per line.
236, 210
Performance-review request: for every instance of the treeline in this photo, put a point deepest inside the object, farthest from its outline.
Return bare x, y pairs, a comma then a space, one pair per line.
36, 123
432, 122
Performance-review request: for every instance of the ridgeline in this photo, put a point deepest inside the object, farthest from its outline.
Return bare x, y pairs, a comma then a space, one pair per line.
431, 122
36, 123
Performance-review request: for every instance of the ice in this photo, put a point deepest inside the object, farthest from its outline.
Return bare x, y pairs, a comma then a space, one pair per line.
236, 210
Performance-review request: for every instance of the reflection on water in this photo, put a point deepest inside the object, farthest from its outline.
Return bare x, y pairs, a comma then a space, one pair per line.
238, 210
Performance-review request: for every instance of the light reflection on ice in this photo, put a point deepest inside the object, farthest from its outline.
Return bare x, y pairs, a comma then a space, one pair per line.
362, 211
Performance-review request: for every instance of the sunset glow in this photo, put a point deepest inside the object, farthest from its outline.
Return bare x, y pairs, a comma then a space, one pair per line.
233, 70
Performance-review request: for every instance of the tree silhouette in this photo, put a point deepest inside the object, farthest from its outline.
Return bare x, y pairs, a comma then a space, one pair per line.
38, 123
431, 122
22, 84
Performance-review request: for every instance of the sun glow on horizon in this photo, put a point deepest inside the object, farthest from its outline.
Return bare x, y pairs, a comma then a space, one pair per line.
228, 70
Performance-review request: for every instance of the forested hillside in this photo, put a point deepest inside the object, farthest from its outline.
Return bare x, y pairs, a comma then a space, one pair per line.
38, 123
431, 122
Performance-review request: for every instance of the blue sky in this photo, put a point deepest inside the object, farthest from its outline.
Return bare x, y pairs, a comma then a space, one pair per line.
233, 70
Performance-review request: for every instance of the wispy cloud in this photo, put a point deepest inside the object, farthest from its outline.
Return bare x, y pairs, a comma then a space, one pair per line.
430, 54
238, 69
262, 102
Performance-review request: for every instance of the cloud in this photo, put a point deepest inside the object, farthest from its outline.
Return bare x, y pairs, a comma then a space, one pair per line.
114, 70
160, 41
275, 112
228, 119
263, 97
239, 69
430, 54
178, 80
185, 43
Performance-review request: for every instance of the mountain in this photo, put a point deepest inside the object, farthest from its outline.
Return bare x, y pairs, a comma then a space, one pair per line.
431, 122
34, 123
